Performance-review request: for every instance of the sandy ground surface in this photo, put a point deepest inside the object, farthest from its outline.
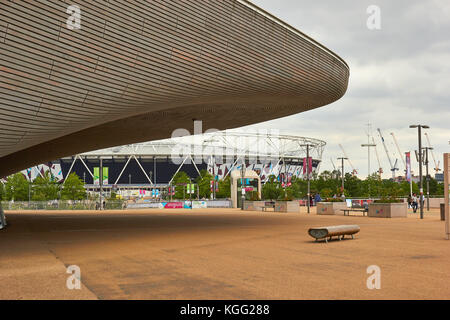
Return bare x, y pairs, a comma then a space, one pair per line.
219, 254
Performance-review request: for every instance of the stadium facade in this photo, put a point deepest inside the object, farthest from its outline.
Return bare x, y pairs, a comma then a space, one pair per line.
155, 163
134, 71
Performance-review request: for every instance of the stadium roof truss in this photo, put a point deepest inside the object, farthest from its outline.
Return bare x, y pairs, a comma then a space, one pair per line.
267, 152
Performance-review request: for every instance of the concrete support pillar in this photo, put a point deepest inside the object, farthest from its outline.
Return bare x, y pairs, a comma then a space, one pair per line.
2, 217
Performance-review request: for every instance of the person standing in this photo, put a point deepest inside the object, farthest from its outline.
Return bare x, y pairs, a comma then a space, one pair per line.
414, 202
317, 198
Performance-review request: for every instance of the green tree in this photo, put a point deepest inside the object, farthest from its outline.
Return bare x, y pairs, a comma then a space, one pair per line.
224, 188
44, 188
16, 187
272, 189
73, 188
2, 191
326, 193
179, 181
204, 184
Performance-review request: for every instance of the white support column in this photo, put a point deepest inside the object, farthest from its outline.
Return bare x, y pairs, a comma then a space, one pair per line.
70, 169
121, 172
187, 157
198, 171
2, 217
87, 168
145, 173
231, 168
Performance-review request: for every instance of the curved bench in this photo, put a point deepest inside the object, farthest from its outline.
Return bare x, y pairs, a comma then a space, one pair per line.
328, 233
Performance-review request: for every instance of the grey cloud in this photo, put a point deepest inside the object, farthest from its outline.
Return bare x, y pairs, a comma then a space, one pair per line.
399, 74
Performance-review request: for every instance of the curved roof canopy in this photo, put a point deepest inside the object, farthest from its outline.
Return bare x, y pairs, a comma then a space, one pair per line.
137, 70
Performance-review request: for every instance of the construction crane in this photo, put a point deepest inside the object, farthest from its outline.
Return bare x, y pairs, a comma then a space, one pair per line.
393, 165
398, 149
380, 169
436, 164
354, 171
334, 167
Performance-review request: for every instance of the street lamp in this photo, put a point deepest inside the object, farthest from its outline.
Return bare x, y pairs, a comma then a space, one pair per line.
308, 175
368, 146
419, 131
343, 174
129, 186
243, 169
428, 176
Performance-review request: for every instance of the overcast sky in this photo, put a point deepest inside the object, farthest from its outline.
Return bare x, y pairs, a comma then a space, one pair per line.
399, 75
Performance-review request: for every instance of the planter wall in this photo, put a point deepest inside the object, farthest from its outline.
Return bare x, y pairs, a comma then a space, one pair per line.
388, 210
253, 205
330, 208
280, 206
287, 206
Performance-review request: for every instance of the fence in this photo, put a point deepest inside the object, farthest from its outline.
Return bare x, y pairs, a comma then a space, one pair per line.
60, 205
93, 205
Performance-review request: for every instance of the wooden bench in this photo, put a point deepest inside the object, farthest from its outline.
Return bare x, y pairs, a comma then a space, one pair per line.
268, 205
347, 211
328, 233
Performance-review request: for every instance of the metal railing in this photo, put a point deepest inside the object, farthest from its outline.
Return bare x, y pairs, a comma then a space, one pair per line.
61, 205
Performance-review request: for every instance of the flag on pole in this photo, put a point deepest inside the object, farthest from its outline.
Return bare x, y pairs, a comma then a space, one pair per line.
309, 165
408, 166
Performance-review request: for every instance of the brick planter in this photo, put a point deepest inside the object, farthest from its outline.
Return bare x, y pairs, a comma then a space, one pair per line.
388, 210
330, 208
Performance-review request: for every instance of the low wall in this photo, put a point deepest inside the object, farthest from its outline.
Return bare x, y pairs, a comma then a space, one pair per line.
388, 210
330, 208
194, 204
287, 206
253, 205
280, 206
435, 202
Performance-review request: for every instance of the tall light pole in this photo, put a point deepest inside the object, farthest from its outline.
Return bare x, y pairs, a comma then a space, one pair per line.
308, 195
368, 146
101, 183
428, 176
419, 131
243, 171
343, 174
129, 186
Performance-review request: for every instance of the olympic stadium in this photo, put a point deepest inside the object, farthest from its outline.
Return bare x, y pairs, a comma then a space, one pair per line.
155, 163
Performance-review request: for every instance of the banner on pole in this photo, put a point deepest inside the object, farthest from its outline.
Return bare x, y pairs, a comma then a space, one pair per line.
408, 166
105, 175
96, 176
307, 162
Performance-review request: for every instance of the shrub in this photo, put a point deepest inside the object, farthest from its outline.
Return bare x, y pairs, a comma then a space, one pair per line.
388, 200
333, 200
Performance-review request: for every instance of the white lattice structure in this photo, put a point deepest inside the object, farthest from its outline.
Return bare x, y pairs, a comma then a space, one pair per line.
221, 152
